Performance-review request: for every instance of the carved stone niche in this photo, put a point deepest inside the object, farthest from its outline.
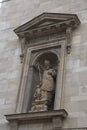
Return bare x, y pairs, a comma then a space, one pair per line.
45, 42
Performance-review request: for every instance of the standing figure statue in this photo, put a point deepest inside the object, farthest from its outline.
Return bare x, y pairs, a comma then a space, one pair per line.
48, 85
45, 90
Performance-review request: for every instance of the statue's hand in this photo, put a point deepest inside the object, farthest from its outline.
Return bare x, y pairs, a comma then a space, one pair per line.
40, 83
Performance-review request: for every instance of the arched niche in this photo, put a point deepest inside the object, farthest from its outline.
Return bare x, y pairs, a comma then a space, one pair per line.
38, 68
53, 56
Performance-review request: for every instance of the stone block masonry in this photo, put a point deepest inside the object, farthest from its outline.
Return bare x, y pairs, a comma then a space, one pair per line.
15, 13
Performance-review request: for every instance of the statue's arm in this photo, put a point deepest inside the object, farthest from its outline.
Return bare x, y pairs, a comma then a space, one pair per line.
54, 72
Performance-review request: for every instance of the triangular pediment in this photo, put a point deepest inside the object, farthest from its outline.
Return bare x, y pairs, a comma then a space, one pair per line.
47, 22
44, 22
47, 19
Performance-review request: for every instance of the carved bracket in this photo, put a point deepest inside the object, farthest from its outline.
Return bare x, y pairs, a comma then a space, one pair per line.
68, 39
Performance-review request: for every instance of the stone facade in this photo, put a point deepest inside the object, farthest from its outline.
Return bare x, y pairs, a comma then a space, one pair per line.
17, 12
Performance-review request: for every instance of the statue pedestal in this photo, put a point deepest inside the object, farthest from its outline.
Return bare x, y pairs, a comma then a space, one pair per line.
37, 120
40, 105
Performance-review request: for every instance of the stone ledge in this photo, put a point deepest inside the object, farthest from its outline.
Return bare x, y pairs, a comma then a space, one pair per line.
55, 118
37, 115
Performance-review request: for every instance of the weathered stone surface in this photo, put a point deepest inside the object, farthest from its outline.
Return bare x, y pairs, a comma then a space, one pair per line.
15, 13
55, 118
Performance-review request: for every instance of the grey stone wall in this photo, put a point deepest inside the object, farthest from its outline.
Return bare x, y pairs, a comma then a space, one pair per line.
13, 14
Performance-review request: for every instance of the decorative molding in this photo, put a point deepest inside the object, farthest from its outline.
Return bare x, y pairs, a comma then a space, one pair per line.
55, 117
44, 25
50, 19
37, 115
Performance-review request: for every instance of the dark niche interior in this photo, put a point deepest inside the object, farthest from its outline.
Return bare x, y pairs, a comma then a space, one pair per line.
45, 67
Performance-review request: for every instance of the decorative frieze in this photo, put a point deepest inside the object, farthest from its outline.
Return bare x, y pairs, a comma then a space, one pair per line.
47, 24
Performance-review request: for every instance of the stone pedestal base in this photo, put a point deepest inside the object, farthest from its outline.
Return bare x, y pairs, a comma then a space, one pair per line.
50, 120
40, 105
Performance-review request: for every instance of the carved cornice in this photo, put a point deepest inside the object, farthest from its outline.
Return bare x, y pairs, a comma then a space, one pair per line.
47, 24
49, 116
37, 115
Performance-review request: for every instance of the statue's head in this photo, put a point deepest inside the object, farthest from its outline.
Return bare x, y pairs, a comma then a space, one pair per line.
47, 64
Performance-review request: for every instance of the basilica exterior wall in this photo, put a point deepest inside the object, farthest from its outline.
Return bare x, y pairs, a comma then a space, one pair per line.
17, 12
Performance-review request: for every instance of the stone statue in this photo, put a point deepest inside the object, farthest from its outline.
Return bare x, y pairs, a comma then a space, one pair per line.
44, 91
47, 87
